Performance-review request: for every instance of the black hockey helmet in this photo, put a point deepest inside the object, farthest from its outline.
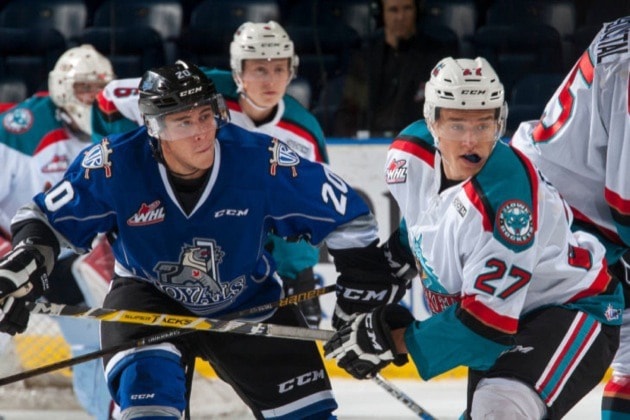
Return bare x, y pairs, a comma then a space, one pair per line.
176, 88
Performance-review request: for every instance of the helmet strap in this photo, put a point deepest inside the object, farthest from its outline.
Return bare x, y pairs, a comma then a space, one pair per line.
156, 150
253, 104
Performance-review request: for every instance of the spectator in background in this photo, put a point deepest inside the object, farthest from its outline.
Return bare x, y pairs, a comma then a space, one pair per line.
384, 89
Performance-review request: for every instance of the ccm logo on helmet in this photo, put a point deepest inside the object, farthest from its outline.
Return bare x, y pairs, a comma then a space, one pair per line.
191, 91
473, 92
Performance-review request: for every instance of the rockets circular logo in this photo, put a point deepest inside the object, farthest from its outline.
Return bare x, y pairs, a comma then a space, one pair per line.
18, 121
515, 222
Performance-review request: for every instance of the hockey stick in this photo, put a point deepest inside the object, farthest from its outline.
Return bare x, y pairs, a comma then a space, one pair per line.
161, 336
402, 397
198, 323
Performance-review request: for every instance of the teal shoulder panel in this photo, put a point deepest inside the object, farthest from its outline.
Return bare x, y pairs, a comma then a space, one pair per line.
223, 81
24, 125
507, 188
419, 130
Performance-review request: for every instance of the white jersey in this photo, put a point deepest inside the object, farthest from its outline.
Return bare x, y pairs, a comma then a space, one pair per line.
35, 150
499, 243
582, 142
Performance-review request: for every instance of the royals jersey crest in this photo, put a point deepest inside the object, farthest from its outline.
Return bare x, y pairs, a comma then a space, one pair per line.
194, 279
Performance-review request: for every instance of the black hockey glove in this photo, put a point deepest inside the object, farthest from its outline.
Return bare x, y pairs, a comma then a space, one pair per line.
366, 346
360, 291
23, 272
369, 277
621, 269
13, 316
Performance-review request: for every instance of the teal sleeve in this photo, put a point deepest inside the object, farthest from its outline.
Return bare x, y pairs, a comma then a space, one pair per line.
292, 257
442, 343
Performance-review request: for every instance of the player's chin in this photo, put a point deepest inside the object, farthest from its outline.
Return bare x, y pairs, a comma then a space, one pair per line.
203, 159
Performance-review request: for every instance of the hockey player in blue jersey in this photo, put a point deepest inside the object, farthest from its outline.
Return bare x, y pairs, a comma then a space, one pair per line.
516, 296
190, 199
263, 63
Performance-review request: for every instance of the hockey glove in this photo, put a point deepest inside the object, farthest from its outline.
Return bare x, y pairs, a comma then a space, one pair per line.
23, 272
621, 269
13, 316
360, 291
366, 346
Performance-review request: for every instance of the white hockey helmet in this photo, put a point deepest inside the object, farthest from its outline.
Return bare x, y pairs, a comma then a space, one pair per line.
78, 64
464, 83
259, 41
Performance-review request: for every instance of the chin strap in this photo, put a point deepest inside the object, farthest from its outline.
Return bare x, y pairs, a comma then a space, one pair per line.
253, 104
156, 150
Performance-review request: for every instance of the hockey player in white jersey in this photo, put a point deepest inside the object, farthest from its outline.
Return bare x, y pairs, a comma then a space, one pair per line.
582, 145
263, 63
517, 297
39, 138
213, 191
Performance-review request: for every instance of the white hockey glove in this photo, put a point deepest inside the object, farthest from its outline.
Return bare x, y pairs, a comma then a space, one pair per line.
365, 346
13, 316
22, 272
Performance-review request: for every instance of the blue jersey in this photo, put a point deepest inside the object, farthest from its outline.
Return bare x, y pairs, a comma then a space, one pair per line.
211, 260
118, 111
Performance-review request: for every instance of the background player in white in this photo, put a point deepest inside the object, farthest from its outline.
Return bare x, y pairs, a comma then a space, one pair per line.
192, 199
582, 145
263, 63
39, 138
517, 297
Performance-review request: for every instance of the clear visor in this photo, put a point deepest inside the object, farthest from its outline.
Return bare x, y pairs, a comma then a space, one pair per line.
197, 120
463, 131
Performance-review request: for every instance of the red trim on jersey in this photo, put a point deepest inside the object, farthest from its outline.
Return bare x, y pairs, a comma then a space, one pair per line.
4, 106
301, 132
617, 202
533, 176
286, 125
607, 233
565, 97
414, 149
599, 285
41, 93
489, 317
476, 201
233, 105
105, 105
564, 353
51, 137
618, 387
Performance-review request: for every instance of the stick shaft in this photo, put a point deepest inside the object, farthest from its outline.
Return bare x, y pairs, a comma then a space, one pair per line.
402, 397
158, 337
197, 323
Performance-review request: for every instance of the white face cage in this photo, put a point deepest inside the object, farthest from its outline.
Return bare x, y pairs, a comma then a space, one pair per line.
80, 64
